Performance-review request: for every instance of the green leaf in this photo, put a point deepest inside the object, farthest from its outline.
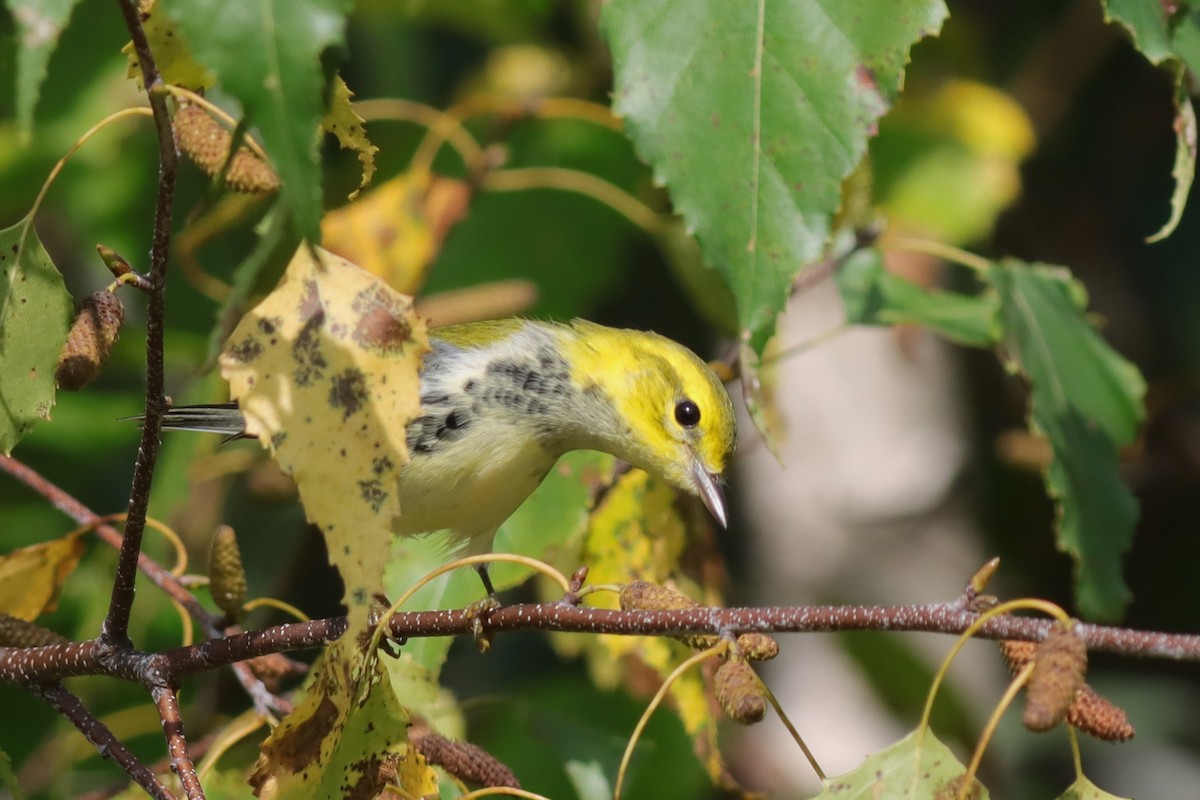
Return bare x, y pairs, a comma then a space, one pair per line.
916, 767
1087, 401
874, 296
1083, 789
1184, 168
38, 22
35, 313
752, 114
8, 778
1147, 25
267, 54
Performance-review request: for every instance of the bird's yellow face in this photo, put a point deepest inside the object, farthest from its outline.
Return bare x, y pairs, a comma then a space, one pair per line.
677, 418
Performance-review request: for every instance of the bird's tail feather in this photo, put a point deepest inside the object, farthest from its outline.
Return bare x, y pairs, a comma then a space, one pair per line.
222, 418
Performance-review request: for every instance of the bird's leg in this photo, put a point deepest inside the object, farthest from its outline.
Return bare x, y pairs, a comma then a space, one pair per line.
482, 569
481, 608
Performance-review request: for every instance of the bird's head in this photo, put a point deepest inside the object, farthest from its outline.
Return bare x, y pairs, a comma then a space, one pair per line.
672, 417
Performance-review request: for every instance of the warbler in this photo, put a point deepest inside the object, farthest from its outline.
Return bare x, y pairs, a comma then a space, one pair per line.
502, 400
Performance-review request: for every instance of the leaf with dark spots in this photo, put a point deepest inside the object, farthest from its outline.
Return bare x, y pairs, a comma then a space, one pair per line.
382, 320
245, 351
345, 407
372, 493
349, 393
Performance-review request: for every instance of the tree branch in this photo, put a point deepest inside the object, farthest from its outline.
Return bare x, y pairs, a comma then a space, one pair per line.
115, 631
102, 738
181, 760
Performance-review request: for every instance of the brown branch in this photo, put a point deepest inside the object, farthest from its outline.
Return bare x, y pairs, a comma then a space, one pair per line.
52, 662
949, 618
115, 631
181, 760
102, 738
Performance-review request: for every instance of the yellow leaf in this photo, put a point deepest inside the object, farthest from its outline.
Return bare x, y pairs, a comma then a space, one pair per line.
637, 533
31, 577
344, 122
325, 372
171, 53
416, 777
396, 230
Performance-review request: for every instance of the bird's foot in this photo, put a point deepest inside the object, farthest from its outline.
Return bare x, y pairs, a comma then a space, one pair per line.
477, 612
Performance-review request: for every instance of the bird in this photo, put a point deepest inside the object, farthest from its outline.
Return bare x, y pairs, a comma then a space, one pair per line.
502, 400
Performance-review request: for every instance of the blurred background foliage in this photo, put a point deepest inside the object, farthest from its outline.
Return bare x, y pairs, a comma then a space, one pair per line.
1027, 128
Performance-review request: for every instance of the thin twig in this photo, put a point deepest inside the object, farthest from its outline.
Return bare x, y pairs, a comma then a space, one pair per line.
181, 761
115, 631
102, 738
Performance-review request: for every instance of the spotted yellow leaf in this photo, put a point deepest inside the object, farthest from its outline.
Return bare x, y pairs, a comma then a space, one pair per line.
325, 372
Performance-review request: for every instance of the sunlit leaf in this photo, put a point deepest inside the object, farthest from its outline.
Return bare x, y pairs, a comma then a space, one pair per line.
267, 54
35, 315
31, 577
325, 372
915, 768
38, 23
1088, 401
752, 114
343, 122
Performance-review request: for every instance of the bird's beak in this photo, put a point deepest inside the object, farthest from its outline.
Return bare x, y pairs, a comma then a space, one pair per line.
708, 486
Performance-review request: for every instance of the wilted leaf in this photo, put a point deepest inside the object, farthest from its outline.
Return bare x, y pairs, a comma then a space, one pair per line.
35, 315
343, 122
31, 577
874, 296
267, 54
396, 230
915, 768
752, 114
171, 53
325, 372
1087, 401
338, 744
38, 23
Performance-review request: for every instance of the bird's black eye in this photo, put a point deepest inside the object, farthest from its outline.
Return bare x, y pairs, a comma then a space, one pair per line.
687, 414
